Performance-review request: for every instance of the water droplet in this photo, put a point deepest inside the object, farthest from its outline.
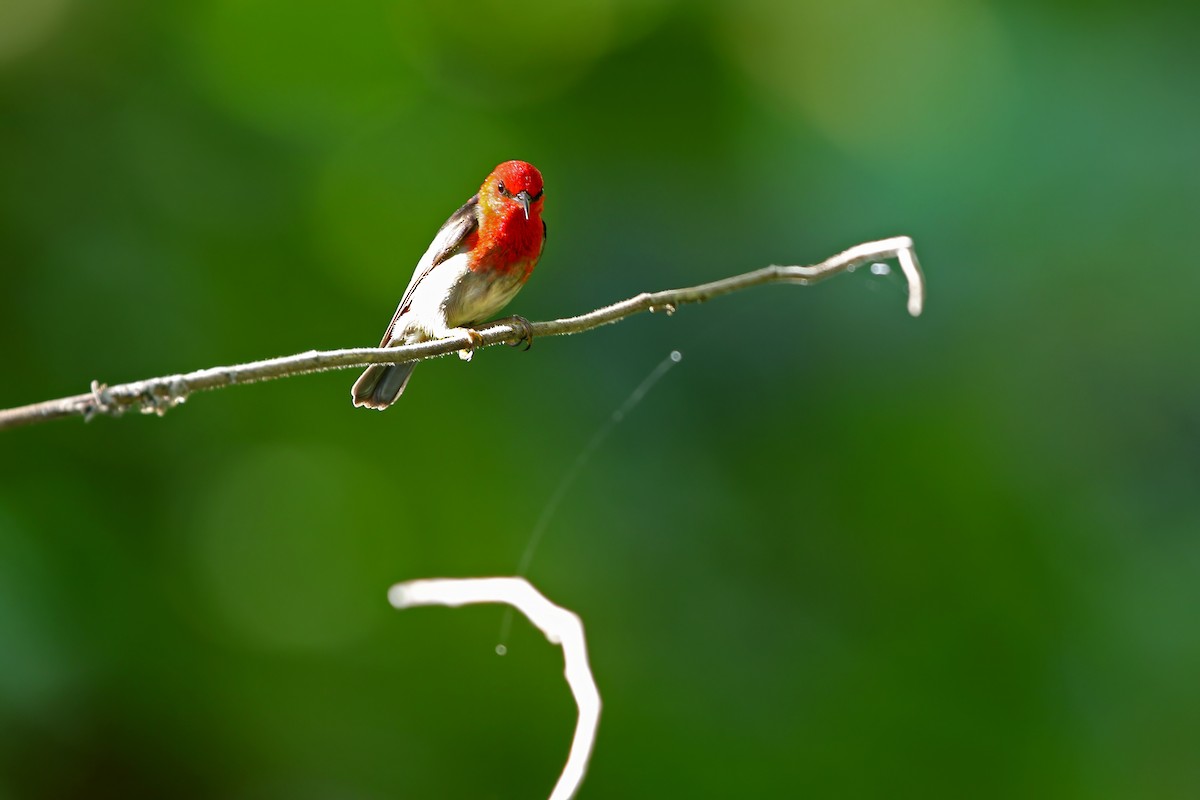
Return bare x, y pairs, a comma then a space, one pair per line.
879, 268
501, 650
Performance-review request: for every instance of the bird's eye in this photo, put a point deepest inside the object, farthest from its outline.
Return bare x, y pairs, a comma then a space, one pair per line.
500, 188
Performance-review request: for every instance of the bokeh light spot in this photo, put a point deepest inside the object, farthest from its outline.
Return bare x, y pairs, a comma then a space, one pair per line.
505, 52
26, 24
881, 80
32, 661
277, 554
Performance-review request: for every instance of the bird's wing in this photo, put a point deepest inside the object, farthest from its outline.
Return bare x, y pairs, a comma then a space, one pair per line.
449, 238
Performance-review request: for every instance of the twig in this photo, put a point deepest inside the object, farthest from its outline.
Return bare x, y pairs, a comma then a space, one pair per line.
158, 395
560, 626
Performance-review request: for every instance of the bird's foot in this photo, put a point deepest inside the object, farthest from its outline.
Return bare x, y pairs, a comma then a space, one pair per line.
476, 340
526, 327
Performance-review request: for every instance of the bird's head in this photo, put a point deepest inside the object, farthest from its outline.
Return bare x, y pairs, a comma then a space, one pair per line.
514, 186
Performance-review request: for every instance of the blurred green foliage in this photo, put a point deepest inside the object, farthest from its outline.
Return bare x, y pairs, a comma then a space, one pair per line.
835, 553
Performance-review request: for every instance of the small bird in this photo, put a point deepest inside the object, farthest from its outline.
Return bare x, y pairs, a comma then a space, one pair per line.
477, 262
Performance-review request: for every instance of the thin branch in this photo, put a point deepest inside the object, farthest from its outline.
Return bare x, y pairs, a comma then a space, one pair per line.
158, 395
560, 626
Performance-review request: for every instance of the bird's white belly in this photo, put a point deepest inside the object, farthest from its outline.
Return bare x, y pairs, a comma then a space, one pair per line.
451, 295
477, 297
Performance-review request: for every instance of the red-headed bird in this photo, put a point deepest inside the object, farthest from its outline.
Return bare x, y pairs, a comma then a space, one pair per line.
479, 260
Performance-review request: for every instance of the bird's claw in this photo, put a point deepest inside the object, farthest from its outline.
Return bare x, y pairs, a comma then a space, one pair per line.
475, 337
526, 327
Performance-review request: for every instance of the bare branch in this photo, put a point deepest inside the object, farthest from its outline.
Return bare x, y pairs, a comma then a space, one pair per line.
158, 395
560, 626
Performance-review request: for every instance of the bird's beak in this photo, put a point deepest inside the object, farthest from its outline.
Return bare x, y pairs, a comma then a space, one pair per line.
524, 199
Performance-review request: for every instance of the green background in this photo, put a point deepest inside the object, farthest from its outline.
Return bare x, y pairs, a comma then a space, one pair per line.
836, 552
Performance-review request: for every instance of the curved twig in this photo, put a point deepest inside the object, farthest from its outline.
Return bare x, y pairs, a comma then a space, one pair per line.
158, 395
560, 626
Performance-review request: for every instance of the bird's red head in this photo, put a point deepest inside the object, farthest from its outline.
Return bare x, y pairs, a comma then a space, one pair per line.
513, 186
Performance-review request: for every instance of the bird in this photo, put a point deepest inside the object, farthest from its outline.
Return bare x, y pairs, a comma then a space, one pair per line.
478, 261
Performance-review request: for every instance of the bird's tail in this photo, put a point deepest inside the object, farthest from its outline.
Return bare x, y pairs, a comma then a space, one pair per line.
380, 385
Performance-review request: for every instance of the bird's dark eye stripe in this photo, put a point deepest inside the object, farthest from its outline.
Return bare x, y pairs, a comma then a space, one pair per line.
502, 189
